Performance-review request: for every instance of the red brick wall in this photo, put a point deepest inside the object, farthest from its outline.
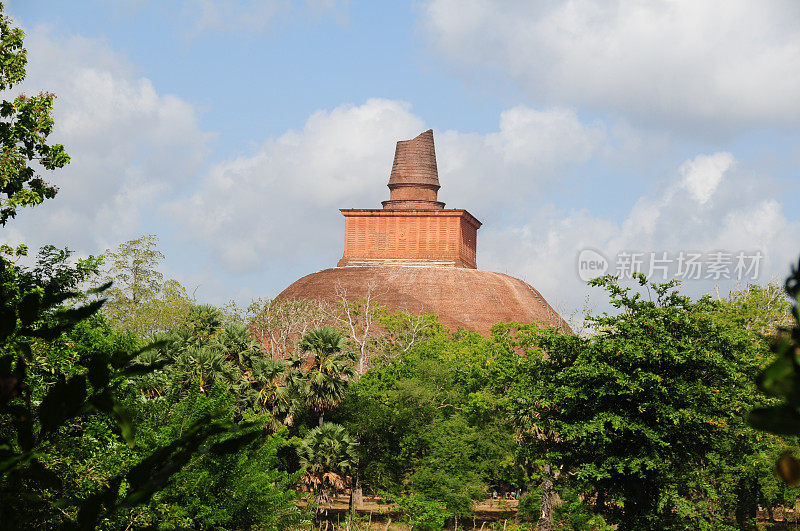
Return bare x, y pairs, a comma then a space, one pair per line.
445, 235
469, 242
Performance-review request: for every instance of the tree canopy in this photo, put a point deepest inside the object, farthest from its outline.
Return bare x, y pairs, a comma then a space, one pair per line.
648, 416
26, 124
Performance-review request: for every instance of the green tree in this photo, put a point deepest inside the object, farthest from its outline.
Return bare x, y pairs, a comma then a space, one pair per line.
280, 324
433, 422
205, 323
647, 416
447, 472
326, 381
61, 379
265, 389
67, 450
54, 271
247, 489
171, 309
762, 309
328, 455
25, 127
208, 370
193, 357
781, 380
140, 301
132, 268
243, 489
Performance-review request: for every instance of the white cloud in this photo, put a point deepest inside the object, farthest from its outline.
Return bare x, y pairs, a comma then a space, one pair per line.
695, 64
512, 167
136, 152
134, 149
759, 225
129, 144
702, 175
734, 214
227, 15
281, 202
528, 136
139, 154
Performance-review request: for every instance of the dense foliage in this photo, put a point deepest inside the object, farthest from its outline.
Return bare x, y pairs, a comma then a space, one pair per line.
647, 417
82, 444
432, 421
781, 379
131, 405
641, 424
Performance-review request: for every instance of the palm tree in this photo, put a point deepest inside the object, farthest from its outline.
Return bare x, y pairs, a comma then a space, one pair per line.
266, 389
195, 359
324, 341
202, 366
327, 380
156, 382
205, 322
237, 344
327, 453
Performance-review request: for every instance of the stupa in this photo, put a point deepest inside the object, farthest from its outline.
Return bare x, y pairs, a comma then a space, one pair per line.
417, 256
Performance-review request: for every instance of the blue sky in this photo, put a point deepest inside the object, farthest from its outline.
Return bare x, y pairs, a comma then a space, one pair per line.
236, 129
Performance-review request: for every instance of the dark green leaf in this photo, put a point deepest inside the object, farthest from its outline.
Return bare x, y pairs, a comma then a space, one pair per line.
126, 426
8, 321
5, 364
82, 312
138, 369
64, 400
235, 443
781, 378
30, 306
16, 461
100, 289
781, 420
98, 372
92, 508
43, 476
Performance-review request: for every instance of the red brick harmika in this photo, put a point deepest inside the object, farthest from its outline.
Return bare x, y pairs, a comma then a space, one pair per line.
446, 236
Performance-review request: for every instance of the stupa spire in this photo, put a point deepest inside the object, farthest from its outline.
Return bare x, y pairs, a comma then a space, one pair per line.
414, 181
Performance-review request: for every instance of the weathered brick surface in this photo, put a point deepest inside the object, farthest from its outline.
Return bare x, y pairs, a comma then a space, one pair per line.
414, 181
415, 161
466, 298
438, 235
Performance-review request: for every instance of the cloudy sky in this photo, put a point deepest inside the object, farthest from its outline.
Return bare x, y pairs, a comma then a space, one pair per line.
236, 129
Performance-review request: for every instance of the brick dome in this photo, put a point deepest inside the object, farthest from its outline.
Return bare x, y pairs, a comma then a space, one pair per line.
461, 297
